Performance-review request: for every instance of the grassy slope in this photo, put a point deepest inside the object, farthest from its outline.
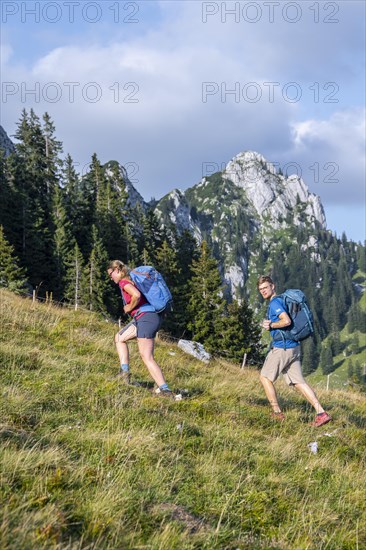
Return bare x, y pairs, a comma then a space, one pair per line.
86, 463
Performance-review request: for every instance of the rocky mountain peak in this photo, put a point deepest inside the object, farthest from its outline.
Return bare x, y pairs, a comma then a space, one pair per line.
134, 197
270, 193
244, 204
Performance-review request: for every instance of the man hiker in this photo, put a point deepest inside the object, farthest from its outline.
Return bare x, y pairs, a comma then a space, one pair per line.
144, 326
284, 356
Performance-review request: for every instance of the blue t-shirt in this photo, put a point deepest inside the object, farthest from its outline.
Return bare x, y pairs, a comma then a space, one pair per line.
275, 308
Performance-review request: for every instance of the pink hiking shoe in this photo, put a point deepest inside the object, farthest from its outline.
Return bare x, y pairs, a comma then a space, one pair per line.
321, 419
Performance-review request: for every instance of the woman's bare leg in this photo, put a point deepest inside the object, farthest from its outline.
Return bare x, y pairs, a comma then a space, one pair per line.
146, 349
121, 346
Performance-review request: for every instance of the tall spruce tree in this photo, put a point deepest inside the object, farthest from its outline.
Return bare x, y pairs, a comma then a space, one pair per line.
132, 252
152, 236
310, 356
239, 334
206, 303
326, 359
350, 371
7, 198
187, 251
361, 257
72, 196
64, 242
53, 150
358, 372
114, 213
91, 187
36, 177
12, 276
167, 264
96, 280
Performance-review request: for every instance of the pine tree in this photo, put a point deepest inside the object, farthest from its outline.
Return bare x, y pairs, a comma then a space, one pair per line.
335, 343
350, 371
167, 264
326, 360
358, 373
356, 318
18, 215
53, 150
186, 250
310, 356
148, 257
206, 303
355, 343
72, 195
91, 188
11, 275
361, 257
7, 197
113, 209
96, 279
152, 236
334, 323
353, 318
64, 242
36, 178
132, 252
239, 333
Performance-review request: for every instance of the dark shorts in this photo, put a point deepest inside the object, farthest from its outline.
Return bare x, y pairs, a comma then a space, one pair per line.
147, 325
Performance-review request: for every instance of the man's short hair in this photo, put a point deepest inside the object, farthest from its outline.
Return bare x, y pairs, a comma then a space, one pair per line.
264, 279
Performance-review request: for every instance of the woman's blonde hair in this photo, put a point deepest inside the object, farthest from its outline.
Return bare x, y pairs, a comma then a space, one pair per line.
123, 268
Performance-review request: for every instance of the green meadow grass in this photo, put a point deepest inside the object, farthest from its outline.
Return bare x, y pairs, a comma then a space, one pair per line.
87, 463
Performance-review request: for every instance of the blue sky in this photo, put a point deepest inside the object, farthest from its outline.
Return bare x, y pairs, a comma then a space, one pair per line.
174, 90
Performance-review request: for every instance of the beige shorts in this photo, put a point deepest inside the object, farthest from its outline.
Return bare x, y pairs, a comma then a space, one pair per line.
285, 362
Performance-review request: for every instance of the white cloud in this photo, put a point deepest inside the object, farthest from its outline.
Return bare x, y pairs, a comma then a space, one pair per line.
338, 146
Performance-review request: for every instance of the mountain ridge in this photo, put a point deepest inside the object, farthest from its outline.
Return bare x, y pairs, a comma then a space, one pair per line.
249, 199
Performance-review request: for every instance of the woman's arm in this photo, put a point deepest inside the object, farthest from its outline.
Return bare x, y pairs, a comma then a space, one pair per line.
135, 297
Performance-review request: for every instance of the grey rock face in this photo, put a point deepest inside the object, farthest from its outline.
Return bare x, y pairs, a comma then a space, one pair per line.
272, 194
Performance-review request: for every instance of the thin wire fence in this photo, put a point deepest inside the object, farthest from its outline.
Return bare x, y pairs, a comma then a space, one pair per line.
161, 335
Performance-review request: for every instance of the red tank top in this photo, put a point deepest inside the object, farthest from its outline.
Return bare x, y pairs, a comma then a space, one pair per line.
127, 297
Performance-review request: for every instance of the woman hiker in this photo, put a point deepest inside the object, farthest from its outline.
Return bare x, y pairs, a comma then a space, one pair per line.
144, 326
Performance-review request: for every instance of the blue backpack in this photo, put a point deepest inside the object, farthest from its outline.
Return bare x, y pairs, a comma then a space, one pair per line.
152, 285
302, 325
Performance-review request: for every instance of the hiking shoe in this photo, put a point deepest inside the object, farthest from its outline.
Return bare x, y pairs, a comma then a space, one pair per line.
321, 419
278, 416
167, 394
123, 377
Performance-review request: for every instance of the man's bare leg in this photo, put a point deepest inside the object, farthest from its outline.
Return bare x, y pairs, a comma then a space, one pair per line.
310, 396
270, 393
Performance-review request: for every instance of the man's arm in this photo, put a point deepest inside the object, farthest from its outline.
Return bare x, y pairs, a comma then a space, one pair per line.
284, 321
